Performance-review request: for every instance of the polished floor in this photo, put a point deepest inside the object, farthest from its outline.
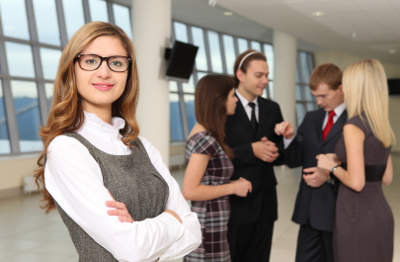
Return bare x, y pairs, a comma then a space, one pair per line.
28, 235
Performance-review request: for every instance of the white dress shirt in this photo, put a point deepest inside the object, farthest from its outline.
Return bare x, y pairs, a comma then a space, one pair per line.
338, 112
247, 108
74, 180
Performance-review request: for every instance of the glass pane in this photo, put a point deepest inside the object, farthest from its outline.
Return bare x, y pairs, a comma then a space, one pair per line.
180, 32
176, 130
173, 86
4, 140
73, 13
46, 21
299, 92
28, 117
189, 107
269, 53
305, 71
300, 112
216, 60
201, 58
13, 18
229, 53
270, 89
243, 45
98, 10
122, 18
307, 92
50, 58
48, 88
310, 106
189, 86
19, 58
256, 46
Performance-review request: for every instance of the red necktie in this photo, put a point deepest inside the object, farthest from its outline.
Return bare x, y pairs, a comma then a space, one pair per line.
329, 125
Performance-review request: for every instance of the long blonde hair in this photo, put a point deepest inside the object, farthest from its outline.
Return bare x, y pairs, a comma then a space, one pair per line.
66, 114
366, 92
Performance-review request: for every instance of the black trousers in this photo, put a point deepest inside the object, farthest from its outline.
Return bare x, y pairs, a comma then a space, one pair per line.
314, 245
251, 242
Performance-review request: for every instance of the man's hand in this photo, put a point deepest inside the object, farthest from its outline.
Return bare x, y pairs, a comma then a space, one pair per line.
315, 177
265, 150
284, 129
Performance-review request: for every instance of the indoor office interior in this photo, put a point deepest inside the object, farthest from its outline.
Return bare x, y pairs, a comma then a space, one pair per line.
295, 36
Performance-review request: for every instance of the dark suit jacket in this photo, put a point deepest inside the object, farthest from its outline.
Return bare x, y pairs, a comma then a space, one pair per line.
239, 135
314, 206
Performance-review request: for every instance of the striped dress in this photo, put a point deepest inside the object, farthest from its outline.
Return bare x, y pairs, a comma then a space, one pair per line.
213, 214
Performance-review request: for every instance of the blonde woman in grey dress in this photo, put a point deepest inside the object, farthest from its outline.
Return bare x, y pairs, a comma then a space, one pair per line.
364, 221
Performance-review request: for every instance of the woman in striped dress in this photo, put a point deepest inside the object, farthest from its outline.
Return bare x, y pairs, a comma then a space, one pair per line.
207, 178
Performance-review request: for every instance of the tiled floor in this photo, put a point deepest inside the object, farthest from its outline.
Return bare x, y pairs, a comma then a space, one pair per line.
28, 235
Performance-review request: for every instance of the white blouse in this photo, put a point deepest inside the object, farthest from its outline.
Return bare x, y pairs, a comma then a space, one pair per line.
74, 180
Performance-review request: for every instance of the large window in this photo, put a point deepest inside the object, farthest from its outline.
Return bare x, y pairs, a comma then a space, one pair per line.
304, 99
217, 53
32, 36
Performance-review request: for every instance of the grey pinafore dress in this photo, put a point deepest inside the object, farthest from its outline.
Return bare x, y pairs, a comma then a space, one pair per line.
131, 179
364, 221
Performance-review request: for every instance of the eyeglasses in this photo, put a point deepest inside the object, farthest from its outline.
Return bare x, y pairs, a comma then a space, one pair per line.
91, 62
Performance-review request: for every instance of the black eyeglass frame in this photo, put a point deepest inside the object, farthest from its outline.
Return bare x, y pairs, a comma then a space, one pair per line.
102, 58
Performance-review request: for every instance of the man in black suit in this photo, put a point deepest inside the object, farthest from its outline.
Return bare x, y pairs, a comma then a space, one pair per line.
318, 133
250, 134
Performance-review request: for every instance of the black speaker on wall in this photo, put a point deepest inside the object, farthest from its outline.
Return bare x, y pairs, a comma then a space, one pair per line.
394, 86
180, 60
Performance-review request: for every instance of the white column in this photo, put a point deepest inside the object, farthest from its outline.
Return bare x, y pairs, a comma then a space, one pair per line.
285, 52
151, 35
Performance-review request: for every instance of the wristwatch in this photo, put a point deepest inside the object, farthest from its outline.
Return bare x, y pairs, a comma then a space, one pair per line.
334, 168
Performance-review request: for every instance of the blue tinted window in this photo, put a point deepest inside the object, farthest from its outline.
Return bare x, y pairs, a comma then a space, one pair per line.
198, 40
189, 106
229, 53
215, 49
50, 58
180, 32
4, 140
122, 18
176, 131
28, 116
13, 18
19, 57
98, 10
243, 45
73, 13
46, 21
269, 53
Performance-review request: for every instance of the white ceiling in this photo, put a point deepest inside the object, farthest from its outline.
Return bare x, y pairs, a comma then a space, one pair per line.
360, 27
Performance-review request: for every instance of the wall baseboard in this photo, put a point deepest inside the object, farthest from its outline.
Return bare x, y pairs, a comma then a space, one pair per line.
11, 192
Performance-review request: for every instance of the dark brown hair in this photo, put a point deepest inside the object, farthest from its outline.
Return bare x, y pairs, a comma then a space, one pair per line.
244, 60
66, 113
210, 105
327, 73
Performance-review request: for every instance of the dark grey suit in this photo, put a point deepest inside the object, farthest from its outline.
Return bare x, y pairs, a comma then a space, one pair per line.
315, 207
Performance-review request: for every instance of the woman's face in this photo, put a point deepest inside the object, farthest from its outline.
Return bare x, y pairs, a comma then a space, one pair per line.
101, 87
231, 102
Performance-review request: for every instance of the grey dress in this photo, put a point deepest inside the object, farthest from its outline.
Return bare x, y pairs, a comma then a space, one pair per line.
364, 221
131, 179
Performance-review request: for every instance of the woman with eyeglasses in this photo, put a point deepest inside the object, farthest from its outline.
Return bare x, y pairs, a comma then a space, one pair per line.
110, 186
